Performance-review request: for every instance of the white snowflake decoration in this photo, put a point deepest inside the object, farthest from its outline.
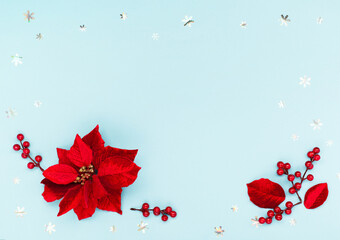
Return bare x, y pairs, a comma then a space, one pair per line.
234, 208
284, 20
10, 113
142, 227
39, 36
83, 28
123, 16
243, 24
319, 20
338, 175
112, 229
329, 143
292, 222
16, 180
20, 212
16, 60
37, 104
316, 124
155, 36
281, 104
188, 21
295, 137
219, 231
50, 228
255, 222
305, 81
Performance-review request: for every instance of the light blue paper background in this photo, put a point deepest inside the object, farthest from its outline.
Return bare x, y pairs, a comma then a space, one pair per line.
200, 103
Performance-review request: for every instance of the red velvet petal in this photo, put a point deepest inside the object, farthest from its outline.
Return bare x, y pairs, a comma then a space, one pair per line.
61, 174
98, 189
54, 191
80, 154
108, 152
71, 199
118, 172
83, 211
111, 202
265, 193
316, 196
94, 140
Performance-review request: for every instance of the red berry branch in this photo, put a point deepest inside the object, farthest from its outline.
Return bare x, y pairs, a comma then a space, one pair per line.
267, 194
24, 146
156, 211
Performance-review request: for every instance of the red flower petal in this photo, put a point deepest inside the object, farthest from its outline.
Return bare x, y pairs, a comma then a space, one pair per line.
83, 211
265, 193
316, 196
118, 172
108, 152
94, 140
80, 154
98, 189
111, 202
63, 157
71, 199
54, 191
61, 174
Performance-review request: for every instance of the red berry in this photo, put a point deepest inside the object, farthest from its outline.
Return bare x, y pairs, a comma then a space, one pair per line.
173, 214
23, 155
308, 164
277, 209
288, 211
30, 165
26, 144
262, 220
168, 210
26, 151
164, 218
316, 158
310, 177
146, 213
38, 158
316, 150
297, 174
156, 211
280, 164
287, 166
280, 171
291, 190
278, 217
16, 147
145, 206
20, 137
268, 220
298, 186
310, 154
270, 213
291, 177
289, 204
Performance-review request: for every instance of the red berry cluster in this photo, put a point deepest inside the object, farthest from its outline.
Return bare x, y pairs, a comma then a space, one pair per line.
24, 146
283, 169
156, 211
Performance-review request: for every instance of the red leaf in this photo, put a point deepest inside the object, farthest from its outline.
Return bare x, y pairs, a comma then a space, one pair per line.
61, 174
265, 193
316, 196
94, 140
80, 154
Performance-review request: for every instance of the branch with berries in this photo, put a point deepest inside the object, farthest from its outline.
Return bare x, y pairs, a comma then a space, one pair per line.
267, 194
156, 211
24, 147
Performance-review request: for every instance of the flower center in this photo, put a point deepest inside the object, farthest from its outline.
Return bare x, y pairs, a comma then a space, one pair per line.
85, 173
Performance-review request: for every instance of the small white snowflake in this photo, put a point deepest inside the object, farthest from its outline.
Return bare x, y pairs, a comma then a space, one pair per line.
292, 222
39, 36
219, 231
243, 24
112, 229
281, 104
319, 20
316, 124
20, 212
50, 228
255, 222
295, 137
234, 208
142, 227
37, 103
155, 36
11, 113
188, 21
16, 60
305, 81
123, 16
338, 175
16, 180
83, 28
329, 143
284, 20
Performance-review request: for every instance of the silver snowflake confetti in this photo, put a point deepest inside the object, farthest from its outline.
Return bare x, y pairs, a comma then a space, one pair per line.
16, 60
319, 20
155, 36
284, 20
50, 228
329, 143
295, 137
316, 124
188, 21
10, 113
338, 175
112, 229
234, 208
292, 222
305, 81
29, 16
20, 212
281, 104
243, 24
142, 227
219, 231
255, 222
39, 36
16, 180
123, 16
37, 104
83, 28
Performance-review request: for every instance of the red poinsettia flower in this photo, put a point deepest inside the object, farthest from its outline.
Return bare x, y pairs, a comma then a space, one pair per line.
90, 176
